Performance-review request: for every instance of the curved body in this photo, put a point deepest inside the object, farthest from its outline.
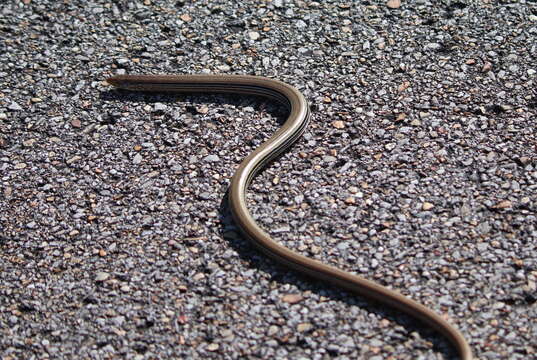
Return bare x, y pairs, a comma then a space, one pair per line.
284, 137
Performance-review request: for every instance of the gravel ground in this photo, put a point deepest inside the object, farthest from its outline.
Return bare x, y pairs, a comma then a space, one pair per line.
419, 170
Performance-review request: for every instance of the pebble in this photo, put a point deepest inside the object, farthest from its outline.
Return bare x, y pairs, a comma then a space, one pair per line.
338, 124
213, 347
524, 160
504, 204
394, 4
185, 17
303, 327
211, 158
159, 107
102, 276
272, 330
254, 35
301, 24
137, 159
292, 298
426, 206
14, 106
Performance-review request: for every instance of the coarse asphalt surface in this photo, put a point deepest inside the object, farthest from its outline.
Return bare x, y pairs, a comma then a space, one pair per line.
418, 170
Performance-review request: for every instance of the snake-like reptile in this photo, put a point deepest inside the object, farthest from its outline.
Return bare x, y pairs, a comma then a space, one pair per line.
282, 139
